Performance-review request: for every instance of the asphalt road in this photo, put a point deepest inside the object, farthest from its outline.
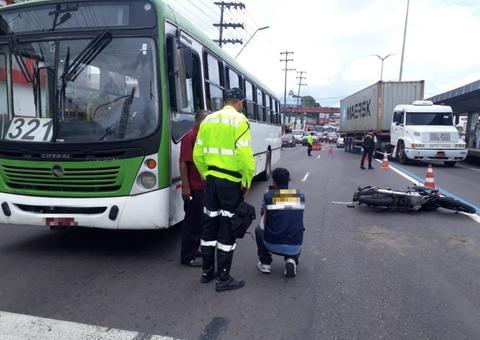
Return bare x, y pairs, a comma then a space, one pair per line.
363, 273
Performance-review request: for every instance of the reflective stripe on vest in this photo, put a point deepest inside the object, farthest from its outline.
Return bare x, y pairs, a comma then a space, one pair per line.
217, 151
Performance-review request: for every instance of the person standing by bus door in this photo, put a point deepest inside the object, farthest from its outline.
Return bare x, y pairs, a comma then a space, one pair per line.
193, 194
309, 144
477, 135
224, 157
368, 146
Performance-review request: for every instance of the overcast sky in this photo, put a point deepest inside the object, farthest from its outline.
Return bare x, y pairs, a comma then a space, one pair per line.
333, 41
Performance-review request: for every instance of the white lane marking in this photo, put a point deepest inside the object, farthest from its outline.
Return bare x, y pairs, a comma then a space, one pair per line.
408, 178
468, 167
306, 176
474, 217
318, 157
20, 326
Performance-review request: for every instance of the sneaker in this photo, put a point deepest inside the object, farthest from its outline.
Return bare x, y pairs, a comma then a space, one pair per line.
264, 268
290, 268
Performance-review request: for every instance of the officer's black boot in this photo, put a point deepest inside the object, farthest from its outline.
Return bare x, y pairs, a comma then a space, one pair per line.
208, 264
225, 281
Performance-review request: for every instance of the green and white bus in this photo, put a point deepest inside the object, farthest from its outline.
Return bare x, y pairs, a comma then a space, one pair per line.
95, 97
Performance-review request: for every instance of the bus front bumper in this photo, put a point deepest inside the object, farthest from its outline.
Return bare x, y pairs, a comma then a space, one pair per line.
453, 155
146, 211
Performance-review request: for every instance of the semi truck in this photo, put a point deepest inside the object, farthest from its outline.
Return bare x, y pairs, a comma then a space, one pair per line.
404, 125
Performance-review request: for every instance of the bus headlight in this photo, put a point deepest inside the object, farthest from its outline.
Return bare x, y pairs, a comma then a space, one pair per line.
417, 146
459, 146
147, 180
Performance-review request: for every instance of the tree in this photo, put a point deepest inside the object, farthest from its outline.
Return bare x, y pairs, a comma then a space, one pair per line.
309, 101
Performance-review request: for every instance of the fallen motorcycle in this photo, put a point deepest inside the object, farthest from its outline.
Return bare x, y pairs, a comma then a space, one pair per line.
417, 198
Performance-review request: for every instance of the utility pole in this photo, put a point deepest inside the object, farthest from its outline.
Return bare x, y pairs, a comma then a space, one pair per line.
286, 59
300, 78
223, 25
404, 39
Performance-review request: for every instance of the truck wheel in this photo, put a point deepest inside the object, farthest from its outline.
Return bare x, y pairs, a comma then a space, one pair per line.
401, 154
449, 164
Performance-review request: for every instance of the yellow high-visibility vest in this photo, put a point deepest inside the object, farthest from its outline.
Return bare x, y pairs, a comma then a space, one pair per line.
222, 148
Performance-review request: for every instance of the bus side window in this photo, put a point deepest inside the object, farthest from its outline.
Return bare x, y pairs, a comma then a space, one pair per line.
250, 105
268, 109
233, 79
213, 82
260, 105
185, 87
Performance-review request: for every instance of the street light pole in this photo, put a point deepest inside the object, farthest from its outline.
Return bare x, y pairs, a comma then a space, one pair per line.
404, 38
258, 29
382, 59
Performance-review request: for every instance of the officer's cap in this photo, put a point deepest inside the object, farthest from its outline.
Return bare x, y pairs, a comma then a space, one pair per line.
234, 93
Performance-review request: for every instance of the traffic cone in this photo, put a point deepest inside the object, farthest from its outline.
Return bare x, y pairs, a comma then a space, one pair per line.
385, 164
429, 180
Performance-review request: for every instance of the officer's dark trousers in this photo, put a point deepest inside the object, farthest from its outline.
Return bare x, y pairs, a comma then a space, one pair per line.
369, 153
265, 255
309, 149
222, 200
192, 226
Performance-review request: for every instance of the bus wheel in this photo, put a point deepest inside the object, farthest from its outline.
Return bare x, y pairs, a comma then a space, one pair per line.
267, 173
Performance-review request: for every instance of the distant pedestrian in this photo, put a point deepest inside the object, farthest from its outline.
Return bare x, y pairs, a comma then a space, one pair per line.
281, 227
309, 144
224, 157
477, 135
368, 146
193, 194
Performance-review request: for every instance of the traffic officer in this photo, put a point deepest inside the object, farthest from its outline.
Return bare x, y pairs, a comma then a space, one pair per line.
309, 144
223, 156
368, 146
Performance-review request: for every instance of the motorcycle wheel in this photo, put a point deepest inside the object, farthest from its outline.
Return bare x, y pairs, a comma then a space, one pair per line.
377, 200
453, 204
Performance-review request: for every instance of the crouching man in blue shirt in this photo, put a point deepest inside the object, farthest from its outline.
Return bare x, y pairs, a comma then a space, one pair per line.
281, 226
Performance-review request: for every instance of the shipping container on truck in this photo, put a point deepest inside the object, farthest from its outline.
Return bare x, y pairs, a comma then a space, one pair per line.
408, 128
372, 109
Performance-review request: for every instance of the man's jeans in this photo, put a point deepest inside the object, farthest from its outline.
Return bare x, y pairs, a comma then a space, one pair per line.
264, 254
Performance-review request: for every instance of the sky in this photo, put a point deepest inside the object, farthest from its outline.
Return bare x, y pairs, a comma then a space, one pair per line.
333, 41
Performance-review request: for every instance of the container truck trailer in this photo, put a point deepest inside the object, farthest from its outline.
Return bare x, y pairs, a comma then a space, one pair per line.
405, 126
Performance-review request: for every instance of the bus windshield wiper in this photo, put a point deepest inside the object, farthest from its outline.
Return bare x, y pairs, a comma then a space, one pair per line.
21, 63
87, 55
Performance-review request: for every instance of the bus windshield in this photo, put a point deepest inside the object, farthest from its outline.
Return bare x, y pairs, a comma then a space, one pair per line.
78, 91
429, 118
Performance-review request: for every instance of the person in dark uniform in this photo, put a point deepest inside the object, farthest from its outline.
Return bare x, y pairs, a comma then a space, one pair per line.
193, 194
223, 155
368, 146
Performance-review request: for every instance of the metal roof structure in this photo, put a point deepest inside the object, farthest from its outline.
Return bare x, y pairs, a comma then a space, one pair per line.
462, 99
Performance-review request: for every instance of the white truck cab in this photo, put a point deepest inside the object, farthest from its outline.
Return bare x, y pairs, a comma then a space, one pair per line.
424, 131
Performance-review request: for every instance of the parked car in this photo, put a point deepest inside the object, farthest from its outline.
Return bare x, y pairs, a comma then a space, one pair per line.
288, 141
332, 137
297, 136
340, 142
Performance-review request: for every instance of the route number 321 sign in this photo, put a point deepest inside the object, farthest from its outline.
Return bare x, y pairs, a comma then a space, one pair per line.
30, 129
